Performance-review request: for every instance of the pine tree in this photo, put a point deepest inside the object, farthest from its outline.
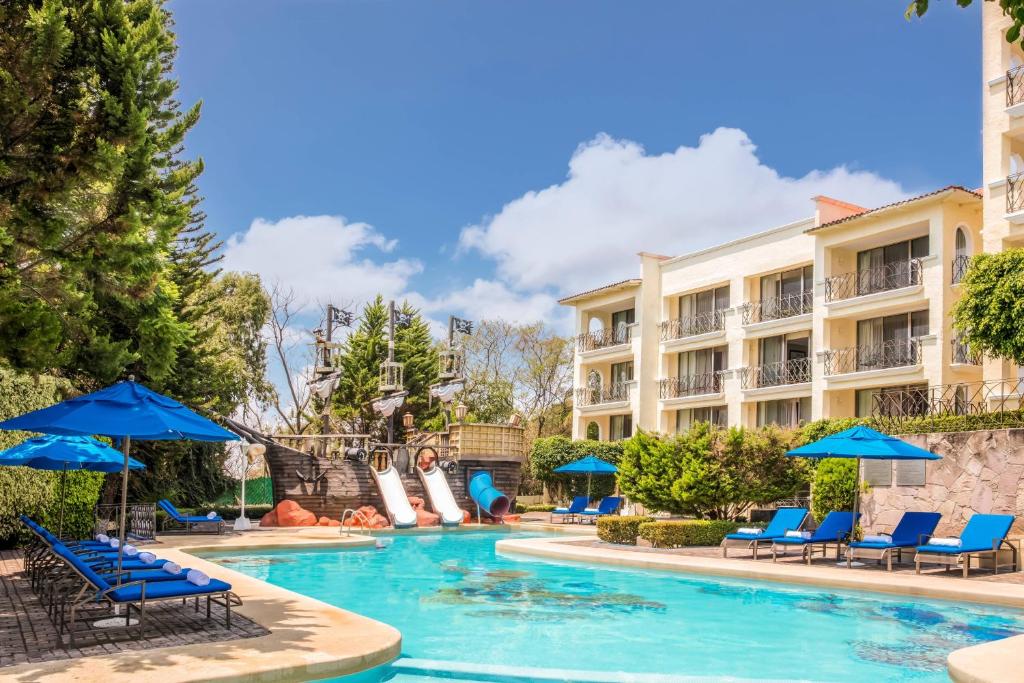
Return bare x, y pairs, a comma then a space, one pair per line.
416, 348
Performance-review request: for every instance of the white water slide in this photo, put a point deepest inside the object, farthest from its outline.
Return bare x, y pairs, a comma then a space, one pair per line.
440, 494
395, 500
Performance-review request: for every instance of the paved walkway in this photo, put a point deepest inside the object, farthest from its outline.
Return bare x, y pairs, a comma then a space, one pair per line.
27, 635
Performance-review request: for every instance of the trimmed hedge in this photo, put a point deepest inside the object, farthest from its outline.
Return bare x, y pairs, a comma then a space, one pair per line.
622, 530
684, 533
520, 508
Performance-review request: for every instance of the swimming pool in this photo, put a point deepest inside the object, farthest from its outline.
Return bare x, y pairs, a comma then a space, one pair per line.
455, 599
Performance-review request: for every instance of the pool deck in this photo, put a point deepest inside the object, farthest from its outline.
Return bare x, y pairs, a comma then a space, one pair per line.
995, 662
307, 638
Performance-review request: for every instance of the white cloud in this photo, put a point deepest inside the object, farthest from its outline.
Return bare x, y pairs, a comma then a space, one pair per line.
618, 200
490, 299
321, 257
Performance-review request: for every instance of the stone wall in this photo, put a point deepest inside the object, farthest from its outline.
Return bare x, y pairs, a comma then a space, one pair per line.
980, 472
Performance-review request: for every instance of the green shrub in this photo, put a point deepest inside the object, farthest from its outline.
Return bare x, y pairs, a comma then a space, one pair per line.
621, 530
684, 533
520, 508
834, 481
554, 451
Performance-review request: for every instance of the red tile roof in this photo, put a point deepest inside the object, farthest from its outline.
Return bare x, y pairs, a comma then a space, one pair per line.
615, 285
927, 195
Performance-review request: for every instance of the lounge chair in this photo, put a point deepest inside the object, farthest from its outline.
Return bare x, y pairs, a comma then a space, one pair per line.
835, 529
784, 519
607, 506
188, 521
575, 509
913, 529
983, 535
96, 589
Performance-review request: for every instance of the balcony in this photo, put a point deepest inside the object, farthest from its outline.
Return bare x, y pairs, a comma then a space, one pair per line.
690, 385
960, 265
962, 353
1015, 193
691, 326
793, 371
895, 353
884, 278
777, 308
617, 392
603, 339
1015, 86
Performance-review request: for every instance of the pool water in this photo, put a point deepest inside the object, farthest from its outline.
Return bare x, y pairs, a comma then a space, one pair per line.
455, 599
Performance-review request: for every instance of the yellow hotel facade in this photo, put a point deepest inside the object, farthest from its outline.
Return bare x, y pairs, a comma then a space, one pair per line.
831, 316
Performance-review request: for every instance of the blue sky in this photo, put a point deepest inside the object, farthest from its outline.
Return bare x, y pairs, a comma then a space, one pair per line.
417, 120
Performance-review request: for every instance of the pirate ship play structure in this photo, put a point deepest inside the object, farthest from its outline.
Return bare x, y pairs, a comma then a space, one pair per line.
467, 466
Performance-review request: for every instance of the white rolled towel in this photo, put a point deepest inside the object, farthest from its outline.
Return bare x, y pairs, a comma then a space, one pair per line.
198, 578
749, 530
172, 567
147, 558
130, 550
798, 534
944, 541
114, 543
103, 538
878, 538
211, 515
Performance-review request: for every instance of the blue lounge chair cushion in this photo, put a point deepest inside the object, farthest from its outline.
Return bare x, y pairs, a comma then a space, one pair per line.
978, 536
908, 532
785, 519
837, 524
153, 575
578, 505
167, 589
606, 507
168, 507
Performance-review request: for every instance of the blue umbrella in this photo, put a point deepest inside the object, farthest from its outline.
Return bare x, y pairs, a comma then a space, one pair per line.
126, 410
862, 443
58, 452
589, 466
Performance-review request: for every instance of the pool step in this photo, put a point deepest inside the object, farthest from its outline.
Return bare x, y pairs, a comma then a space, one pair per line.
413, 670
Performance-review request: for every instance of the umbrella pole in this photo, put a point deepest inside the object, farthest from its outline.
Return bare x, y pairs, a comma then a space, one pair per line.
63, 484
125, 445
856, 500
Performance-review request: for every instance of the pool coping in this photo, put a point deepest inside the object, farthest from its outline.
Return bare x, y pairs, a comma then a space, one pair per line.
995, 662
308, 639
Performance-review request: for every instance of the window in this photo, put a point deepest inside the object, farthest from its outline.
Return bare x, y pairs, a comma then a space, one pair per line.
787, 293
907, 399
621, 320
890, 341
884, 268
716, 415
620, 427
698, 371
961, 256
705, 302
784, 413
593, 431
622, 372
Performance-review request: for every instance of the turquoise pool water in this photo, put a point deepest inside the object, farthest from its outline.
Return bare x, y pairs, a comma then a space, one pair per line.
455, 599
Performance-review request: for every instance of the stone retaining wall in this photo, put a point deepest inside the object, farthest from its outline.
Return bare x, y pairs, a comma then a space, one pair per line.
980, 472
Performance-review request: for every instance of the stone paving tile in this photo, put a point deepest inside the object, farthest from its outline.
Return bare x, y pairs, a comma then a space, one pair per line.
28, 635
907, 567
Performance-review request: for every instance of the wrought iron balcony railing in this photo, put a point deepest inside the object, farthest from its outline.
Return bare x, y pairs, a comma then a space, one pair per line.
894, 353
613, 393
690, 385
960, 264
1015, 86
870, 280
777, 308
962, 352
989, 404
1015, 193
692, 325
793, 371
602, 339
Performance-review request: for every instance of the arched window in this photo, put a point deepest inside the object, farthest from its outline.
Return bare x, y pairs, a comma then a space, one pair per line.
961, 255
593, 431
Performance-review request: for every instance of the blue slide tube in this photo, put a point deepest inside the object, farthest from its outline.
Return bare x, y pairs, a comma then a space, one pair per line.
489, 499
